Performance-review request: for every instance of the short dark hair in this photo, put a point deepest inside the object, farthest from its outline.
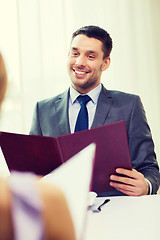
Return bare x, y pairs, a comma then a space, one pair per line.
97, 33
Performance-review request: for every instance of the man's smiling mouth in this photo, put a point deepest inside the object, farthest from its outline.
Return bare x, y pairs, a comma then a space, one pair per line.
80, 72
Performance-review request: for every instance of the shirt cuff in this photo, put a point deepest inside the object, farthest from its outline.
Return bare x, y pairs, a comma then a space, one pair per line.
150, 186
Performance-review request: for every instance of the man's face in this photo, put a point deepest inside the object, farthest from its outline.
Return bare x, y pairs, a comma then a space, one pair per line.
86, 63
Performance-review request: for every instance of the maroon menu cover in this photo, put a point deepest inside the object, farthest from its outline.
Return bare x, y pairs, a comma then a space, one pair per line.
41, 154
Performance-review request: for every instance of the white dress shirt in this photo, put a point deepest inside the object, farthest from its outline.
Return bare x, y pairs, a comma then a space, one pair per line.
74, 106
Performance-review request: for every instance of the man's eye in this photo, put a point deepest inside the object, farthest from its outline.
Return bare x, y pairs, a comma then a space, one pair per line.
91, 56
74, 54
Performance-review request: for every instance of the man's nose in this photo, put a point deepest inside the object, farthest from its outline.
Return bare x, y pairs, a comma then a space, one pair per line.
80, 61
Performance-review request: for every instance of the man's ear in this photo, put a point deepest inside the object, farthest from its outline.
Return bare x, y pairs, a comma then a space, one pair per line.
106, 64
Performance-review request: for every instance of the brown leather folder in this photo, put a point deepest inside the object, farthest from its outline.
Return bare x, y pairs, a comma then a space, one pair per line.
41, 154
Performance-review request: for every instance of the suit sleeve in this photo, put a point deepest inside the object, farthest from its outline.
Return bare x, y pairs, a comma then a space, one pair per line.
35, 127
142, 146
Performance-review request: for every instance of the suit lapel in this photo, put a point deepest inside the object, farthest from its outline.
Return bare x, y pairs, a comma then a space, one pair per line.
103, 108
61, 106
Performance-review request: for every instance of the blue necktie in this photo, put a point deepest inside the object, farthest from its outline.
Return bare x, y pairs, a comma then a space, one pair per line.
82, 119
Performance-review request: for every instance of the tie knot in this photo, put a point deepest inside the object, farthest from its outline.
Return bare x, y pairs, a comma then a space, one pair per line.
83, 99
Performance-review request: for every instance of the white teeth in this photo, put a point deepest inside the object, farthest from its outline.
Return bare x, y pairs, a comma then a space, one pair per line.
82, 73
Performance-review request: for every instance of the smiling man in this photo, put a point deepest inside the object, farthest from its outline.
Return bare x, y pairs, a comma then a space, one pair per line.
88, 57
86, 62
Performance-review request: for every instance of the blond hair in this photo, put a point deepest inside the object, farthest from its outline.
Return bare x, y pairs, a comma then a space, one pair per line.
3, 79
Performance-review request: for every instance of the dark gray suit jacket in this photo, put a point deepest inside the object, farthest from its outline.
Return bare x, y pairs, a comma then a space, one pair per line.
51, 119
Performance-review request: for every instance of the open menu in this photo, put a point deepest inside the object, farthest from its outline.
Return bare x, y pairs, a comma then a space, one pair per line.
42, 154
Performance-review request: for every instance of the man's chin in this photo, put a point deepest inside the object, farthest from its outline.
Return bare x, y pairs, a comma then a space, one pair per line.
82, 88
81, 84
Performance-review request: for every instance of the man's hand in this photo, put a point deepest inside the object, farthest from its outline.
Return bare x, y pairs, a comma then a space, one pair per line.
133, 183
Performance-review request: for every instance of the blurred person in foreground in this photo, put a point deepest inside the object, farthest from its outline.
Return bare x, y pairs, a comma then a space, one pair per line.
29, 208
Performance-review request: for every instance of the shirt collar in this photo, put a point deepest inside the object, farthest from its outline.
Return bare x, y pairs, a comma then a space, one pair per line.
93, 94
